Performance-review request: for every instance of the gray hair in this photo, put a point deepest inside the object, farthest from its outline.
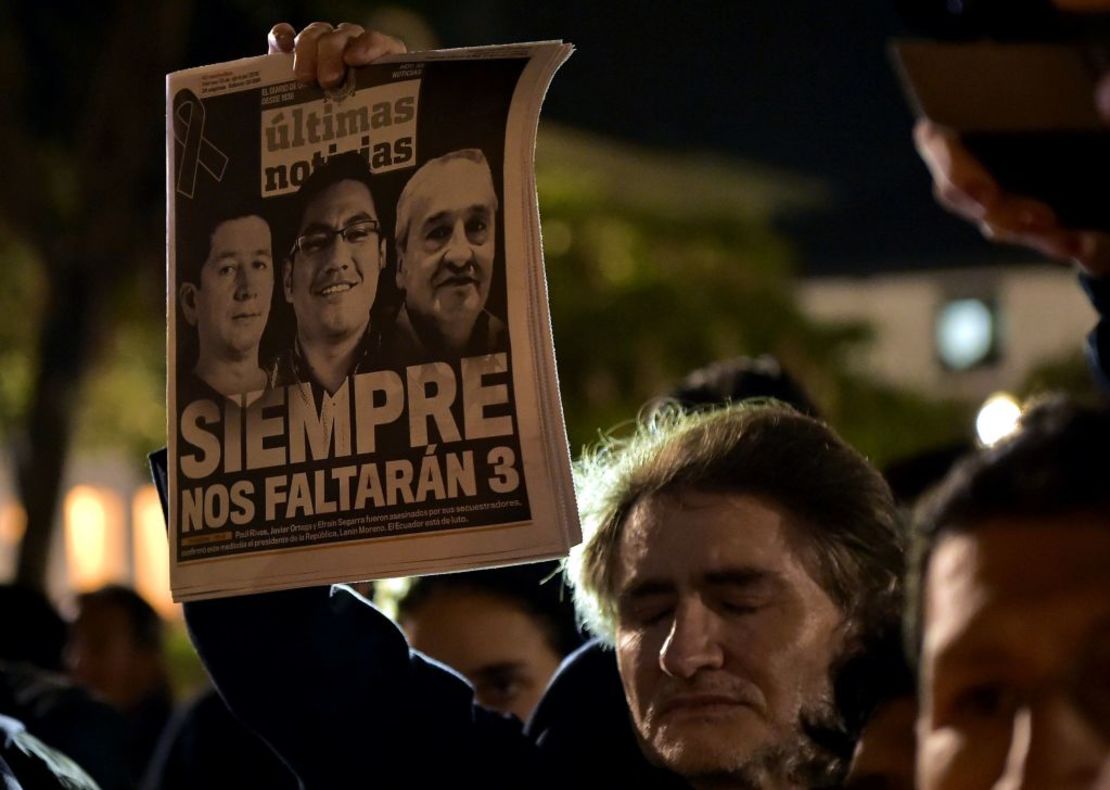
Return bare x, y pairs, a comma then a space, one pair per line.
416, 183
852, 538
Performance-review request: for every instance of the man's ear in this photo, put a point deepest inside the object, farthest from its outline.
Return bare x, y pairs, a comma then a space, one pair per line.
381, 253
187, 295
287, 279
397, 276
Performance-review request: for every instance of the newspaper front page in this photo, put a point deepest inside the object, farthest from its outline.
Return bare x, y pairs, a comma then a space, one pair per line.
362, 381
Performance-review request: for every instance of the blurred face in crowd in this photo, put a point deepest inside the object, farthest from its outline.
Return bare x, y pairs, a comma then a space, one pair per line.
884, 758
500, 647
332, 277
230, 303
1015, 660
724, 640
446, 262
104, 656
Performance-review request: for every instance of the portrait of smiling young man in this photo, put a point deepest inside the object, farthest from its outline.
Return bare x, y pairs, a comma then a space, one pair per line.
446, 240
330, 276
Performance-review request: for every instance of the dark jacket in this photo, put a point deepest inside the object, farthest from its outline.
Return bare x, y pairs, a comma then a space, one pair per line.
1098, 341
330, 683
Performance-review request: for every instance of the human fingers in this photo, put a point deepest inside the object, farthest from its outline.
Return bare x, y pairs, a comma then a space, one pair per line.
304, 51
960, 183
330, 66
370, 45
1102, 98
1092, 253
1060, 245
1032, 224
1021, 215
281, 38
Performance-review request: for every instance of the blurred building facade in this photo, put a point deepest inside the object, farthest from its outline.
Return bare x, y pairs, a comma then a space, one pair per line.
109, 529
958, 332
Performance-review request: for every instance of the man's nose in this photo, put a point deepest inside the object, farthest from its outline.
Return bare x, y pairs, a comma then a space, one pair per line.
693, 643
337, 255
458, 253
245, 287
1051, 745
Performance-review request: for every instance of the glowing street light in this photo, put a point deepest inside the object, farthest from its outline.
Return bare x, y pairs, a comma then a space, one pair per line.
998, 418
96, 548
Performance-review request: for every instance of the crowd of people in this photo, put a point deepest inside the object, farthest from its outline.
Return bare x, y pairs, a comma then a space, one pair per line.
759, 610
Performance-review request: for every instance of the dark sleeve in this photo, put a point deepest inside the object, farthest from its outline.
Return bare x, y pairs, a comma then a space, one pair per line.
1098, 341
204, 746
89, 732
604, 738
330, 683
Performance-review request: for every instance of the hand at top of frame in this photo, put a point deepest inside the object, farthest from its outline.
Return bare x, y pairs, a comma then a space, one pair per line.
964, 187
322, 52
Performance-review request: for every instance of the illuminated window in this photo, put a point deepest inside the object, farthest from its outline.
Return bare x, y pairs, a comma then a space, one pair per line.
95, 538
967, 333
13, 523
151, 552
998, 418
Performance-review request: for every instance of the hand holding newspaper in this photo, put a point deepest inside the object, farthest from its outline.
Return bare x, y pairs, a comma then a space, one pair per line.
362, 380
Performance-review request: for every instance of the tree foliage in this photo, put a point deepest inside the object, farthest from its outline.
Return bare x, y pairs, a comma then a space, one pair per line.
643, 291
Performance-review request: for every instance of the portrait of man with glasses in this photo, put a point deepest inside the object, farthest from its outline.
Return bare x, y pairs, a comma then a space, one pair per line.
330, 277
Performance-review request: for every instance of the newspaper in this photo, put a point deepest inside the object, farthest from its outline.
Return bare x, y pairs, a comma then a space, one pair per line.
362, 381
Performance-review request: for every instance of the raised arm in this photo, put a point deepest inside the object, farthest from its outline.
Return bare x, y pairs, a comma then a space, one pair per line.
323, 677
964, 187
332, 686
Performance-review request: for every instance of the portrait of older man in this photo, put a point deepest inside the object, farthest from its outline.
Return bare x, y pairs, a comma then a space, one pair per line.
446, 241
330, 276
226, 287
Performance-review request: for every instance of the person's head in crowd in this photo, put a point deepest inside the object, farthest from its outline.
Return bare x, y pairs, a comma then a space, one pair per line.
909, 477
445, 236
734, 558
227, 284
740, 378
506, 630
331, 274
876, 691
116, 649
1010, 610
36, 633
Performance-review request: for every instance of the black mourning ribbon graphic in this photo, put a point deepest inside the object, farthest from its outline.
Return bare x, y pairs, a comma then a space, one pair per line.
188, 130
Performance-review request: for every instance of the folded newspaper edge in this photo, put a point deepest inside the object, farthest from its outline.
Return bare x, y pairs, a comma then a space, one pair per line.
361, 373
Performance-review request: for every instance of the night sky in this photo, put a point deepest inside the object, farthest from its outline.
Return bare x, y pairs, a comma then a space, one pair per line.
802, 84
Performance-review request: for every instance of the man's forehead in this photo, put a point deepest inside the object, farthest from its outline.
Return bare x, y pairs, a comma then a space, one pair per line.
688, 536
242, 233
339, 201
1027, 556
457, 185
1009, 577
